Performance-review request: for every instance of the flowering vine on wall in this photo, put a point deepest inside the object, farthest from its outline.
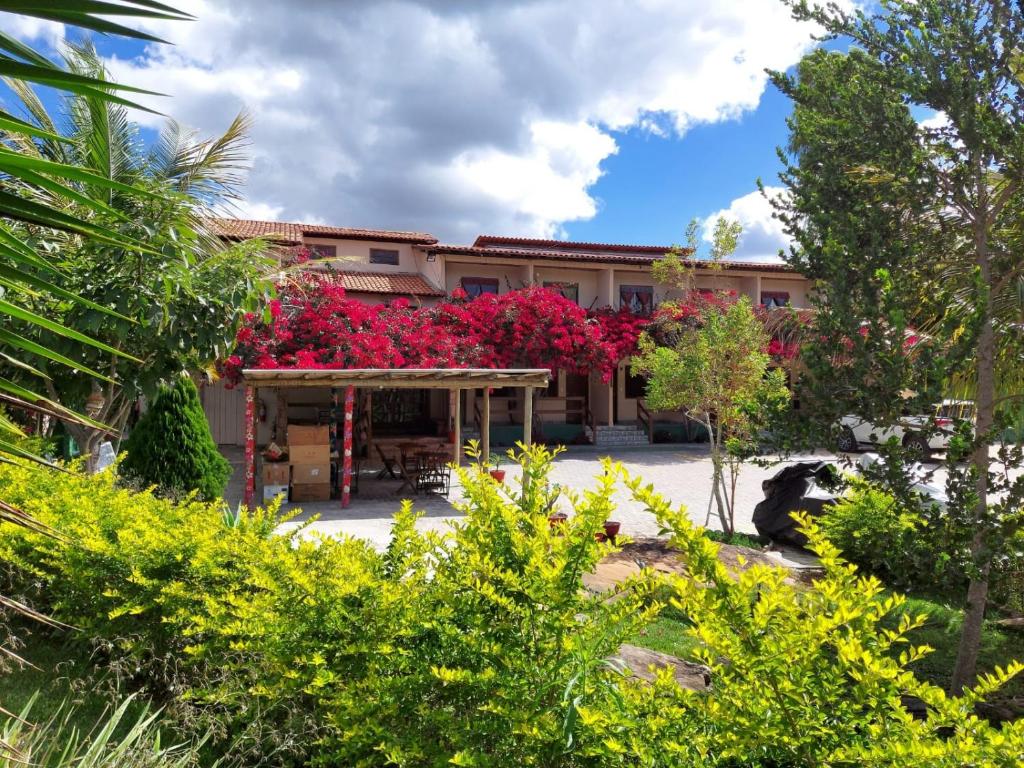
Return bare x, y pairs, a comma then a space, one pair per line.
314, 324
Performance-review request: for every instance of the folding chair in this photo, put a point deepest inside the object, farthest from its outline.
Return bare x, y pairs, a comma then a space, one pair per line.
390, 465
410, 478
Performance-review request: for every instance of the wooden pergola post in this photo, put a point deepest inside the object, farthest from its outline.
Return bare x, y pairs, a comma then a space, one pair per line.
457, 430
485, 428
527, 416
250, 446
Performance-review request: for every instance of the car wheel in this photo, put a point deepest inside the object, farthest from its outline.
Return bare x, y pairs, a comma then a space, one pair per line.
917, 447
847, 442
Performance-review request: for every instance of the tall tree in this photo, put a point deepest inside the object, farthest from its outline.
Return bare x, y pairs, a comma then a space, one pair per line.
913, 226
179, 303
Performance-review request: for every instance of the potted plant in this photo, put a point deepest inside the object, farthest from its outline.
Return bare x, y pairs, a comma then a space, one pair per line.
494, 461
611, 530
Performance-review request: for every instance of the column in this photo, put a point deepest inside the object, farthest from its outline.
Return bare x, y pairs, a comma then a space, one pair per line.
346, 447
250, 446
485, 427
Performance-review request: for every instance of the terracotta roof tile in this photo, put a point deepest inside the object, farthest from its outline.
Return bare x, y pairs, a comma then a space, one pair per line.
610, 254
527, 243
292, 232
395, 283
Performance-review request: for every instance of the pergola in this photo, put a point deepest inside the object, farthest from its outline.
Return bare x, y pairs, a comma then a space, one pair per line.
451, 379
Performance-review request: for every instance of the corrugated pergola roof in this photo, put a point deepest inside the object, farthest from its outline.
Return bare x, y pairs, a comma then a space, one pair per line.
395, 378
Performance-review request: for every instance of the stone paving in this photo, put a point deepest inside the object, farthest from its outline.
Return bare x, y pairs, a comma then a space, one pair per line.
681, 473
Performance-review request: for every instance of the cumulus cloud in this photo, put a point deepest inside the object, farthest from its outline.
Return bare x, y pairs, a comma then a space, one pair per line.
452, 116
762, 236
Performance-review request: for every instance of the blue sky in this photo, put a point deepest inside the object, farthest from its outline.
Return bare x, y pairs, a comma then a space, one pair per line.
654, 185
607, 121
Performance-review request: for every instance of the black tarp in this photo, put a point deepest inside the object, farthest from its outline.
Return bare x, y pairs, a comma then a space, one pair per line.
804, 486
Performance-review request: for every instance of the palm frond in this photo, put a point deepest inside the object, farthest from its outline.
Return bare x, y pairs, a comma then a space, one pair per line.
210, 169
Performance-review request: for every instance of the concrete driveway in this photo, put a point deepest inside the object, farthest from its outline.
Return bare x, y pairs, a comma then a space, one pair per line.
681, 473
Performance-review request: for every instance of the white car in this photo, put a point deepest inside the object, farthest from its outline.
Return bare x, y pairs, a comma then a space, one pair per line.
922, 434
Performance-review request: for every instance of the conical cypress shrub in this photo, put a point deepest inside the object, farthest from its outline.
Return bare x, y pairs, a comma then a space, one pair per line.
171, 447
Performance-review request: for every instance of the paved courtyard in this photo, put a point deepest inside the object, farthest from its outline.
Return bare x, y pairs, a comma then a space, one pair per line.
681, 473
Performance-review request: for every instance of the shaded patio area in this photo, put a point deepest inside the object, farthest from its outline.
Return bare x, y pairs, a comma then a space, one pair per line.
410, 466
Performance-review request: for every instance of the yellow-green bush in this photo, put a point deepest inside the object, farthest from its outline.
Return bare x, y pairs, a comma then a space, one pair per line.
478, 647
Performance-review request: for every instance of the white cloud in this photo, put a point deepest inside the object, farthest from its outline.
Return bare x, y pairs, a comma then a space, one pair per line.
31, 29
762, 236
937, 121
451, 116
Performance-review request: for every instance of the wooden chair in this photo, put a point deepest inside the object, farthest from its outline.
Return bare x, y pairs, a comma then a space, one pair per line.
390, 465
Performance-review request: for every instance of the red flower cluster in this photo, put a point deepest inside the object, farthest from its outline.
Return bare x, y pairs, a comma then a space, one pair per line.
315, 325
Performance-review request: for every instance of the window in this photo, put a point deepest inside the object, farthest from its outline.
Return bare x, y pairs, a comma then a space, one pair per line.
638, 298
476, 286
384, 256
636, 386
774, 299
317, 251
571, 291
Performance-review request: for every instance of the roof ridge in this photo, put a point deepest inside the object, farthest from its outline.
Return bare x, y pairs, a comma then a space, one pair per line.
547, 243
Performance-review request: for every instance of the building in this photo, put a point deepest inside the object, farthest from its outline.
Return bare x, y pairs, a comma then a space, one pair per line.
377, 265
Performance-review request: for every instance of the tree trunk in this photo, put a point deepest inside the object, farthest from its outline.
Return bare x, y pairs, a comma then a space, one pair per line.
977, 591
718, 483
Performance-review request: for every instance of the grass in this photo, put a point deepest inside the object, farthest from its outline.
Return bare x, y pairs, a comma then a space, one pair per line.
62, 677
737, 539
941, 632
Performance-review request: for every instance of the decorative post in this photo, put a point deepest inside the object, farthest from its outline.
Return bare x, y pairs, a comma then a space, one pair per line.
346, 447
485, 427
250, 446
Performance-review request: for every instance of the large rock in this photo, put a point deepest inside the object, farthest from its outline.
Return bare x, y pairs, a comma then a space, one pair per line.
645, 663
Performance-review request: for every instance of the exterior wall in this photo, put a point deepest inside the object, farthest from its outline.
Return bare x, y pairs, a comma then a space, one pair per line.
508, 275
586, 279
798, 290
225, 412
354, 255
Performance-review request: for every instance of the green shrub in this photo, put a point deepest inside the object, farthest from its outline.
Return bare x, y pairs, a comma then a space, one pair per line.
171, 446
874, 531
481, 646
800, 676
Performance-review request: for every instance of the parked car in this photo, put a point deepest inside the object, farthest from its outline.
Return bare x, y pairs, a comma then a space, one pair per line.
923, 434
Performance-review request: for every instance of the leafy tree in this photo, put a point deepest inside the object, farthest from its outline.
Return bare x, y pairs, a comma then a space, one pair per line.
717, 370
916, 226
177, 305
34, 192
171, 447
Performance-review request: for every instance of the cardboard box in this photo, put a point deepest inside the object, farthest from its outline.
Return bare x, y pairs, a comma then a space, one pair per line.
311, 474
309, 454
301, 434
315, 492
275, 473
271, 492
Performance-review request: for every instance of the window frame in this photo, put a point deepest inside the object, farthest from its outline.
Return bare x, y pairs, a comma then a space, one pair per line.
392, 253
645, 308
562, 286
489, 282
317, 251
775, 296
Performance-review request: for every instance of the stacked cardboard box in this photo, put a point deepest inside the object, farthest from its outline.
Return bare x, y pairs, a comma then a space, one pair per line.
309, 453
275, 479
